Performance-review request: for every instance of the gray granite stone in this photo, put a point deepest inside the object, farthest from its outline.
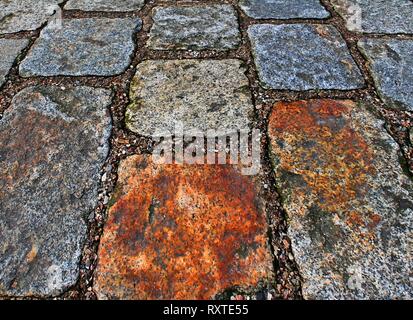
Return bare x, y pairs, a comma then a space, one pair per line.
104, 5
349, 202
391, 64
303, 57
377, 16
18, 15
95, 46
196, 28
54, 143
284, 9
201, 94
9, 50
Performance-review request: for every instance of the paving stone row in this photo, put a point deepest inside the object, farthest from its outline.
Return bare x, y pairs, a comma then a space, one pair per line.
176, 232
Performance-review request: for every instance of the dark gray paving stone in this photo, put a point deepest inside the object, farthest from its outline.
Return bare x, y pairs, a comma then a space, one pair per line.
9, 50
54, 143
377, 16
196, 28
104, 5
284, 9
18, 15
391, 64
95, 46
303, 57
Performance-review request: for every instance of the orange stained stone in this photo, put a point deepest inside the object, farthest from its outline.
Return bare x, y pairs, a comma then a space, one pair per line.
182, 232
332, 157
348, 200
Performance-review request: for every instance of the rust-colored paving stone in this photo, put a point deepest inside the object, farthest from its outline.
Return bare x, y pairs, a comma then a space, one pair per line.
182, 232
349, 203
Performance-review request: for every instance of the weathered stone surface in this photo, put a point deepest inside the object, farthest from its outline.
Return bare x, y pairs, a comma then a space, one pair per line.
181, 232
53, 144
391, 63
376, 16
303, 57
284, 9
196, 28
104, 5
9, 50
349, 203
82, 47
202, 94
17, 15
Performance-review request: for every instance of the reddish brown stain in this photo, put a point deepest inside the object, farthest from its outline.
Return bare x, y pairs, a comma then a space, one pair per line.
316, 140
181, 232
37, 131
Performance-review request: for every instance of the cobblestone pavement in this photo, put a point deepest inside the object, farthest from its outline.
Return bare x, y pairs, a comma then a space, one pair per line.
85, 210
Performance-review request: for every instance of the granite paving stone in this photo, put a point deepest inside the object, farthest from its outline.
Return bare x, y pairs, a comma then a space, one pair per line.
391, 64
9, 51
303, 57
377, 16
200, 94
182, 232
18, 15
89, 212
284, 9
54, 143
83, 47
348, 200
105, 5
194, 28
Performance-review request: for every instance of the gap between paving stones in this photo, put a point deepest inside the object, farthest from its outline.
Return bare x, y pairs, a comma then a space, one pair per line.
124, 143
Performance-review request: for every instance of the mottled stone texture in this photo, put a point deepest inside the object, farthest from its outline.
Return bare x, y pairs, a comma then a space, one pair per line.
349, 203
391, 64
18, 15
284, 9
95, 46
181, 232
196, 28
303, 57
104, 5
9, 50
376, 16
202, 94
53, 144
